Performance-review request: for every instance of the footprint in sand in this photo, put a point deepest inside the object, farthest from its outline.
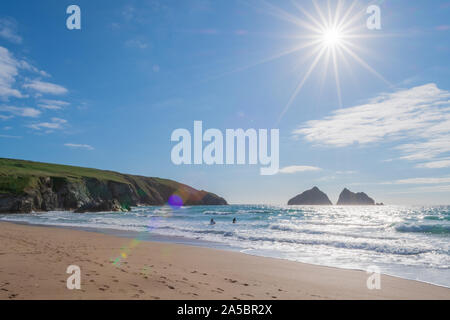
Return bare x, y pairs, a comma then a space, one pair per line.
170, 287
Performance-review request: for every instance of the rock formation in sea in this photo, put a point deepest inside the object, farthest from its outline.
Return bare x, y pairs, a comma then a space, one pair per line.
350, 198
311, 197
27, 186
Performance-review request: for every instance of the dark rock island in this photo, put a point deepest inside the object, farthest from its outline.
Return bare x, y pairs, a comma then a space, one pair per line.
313, 197
350, 198
27, 186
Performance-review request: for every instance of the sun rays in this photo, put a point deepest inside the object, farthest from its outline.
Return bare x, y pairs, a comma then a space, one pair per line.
331, 33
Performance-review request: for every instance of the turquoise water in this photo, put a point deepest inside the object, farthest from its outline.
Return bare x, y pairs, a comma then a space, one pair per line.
409, 242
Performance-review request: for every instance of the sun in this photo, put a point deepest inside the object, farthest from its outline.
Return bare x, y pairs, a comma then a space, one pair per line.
329, 36
332, 37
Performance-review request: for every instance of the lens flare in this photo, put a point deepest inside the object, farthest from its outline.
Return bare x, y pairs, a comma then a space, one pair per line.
175, 201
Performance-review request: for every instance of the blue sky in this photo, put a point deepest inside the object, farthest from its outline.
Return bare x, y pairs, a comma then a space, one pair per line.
109, 95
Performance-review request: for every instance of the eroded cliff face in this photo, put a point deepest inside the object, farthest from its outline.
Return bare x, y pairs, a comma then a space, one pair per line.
350, 198
88, 194
311, 197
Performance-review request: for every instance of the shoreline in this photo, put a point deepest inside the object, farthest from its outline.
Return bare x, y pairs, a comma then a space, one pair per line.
181, 240
35, 258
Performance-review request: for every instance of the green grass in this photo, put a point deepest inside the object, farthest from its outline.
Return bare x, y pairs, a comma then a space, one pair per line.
18, 175
11, 167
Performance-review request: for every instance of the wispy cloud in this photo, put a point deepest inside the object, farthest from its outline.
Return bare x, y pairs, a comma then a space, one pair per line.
9, 137
29, 67
420, 181
52, 104
8, 73
137, 43
79, 146
8, 30
129, 12
21, 112
424, 189
296, 169
54, 124
438, 164
46, 87
418, 119
347, 172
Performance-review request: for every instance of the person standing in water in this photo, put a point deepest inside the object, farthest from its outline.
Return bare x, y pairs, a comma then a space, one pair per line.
234, 220
212, 221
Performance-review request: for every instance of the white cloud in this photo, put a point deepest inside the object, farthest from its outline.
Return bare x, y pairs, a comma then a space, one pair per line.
79, 146
421, 181
8, 30
295, 169
45, 87
29, 67
8, 74
52, 104
426, 189
54, 124
418, 119
438, 164
346, 172
21, 112
9, 71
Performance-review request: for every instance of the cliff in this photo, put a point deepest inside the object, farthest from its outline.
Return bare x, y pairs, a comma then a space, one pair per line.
311, 197
350, 198
27, 186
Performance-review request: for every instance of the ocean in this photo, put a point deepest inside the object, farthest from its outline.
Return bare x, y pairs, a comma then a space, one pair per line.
410, 242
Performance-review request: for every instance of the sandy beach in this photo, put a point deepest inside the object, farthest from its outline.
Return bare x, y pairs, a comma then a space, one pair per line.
34, 259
